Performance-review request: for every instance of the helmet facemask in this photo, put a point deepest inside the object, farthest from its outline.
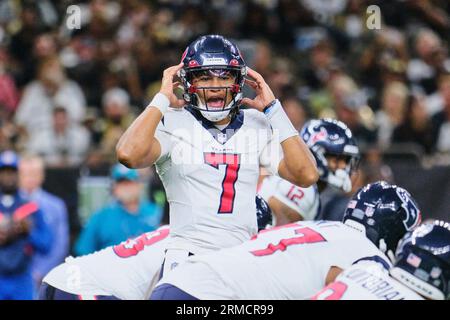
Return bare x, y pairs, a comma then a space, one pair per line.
213, 106
341, 177
329, 137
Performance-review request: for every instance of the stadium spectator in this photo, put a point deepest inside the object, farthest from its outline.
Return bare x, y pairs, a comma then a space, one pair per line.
127, 216
393, 105
118, 116
9, 95
383, 59
441, 120
430, 62
323, 64
31, 178
295, 111
349, 105
416, 125
41, 96
23, 232
62, 144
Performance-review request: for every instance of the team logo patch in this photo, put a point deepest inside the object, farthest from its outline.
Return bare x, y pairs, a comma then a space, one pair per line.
413, 215
221, 137
319, 136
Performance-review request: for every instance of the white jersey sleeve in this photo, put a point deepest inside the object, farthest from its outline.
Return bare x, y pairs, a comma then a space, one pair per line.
287, 262
127, 271
305, 201
366, 280
165, 140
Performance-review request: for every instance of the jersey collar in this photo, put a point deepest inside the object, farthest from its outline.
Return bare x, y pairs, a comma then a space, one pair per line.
221, 136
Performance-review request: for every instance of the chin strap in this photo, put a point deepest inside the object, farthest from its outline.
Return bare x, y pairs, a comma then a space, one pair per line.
340, 179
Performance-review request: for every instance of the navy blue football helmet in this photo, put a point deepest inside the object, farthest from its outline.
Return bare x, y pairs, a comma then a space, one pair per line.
423, 260
263, 213
332, 137
213, 55
384, 212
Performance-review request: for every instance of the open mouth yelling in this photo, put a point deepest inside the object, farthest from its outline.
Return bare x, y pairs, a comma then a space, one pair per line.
216, 103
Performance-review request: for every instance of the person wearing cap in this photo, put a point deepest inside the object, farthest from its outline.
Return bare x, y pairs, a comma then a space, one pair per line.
31, 179
126, 216
23, 232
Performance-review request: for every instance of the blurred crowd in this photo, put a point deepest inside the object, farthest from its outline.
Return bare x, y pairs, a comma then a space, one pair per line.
67, 95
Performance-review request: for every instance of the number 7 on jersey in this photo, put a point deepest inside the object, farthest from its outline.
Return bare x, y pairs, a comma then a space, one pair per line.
231, 162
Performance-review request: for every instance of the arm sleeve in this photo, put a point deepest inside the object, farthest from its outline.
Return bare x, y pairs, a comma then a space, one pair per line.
40, 236
271, 156
60, 249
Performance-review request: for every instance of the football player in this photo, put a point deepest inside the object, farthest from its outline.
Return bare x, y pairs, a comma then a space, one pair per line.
208, 151
127, 271
296, 260
289, 203
337, 156
421, 271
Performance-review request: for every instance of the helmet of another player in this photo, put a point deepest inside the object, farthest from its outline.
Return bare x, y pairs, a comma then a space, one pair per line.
423, 260
263, 213
384, 212
327, 139
209, 57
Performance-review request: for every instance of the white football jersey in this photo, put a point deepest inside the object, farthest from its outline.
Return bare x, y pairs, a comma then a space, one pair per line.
286, 262
305, 201
127, 271
366, 280
210, 176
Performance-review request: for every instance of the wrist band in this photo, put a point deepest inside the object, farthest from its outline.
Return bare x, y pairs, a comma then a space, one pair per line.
279, 121
266, 110
160, 102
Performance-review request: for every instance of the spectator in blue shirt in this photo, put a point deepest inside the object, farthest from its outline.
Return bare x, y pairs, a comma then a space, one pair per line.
23, 232
125, 217
31, 178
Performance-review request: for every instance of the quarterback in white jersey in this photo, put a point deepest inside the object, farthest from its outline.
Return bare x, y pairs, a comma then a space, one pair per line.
208, 152
297, 203
224, 177
366, 280
125, 271
296, 260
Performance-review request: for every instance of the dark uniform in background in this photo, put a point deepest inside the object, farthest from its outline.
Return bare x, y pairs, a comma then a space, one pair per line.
23, 231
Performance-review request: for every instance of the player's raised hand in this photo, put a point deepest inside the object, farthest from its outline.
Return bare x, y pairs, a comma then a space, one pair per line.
168, 85
264, 94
